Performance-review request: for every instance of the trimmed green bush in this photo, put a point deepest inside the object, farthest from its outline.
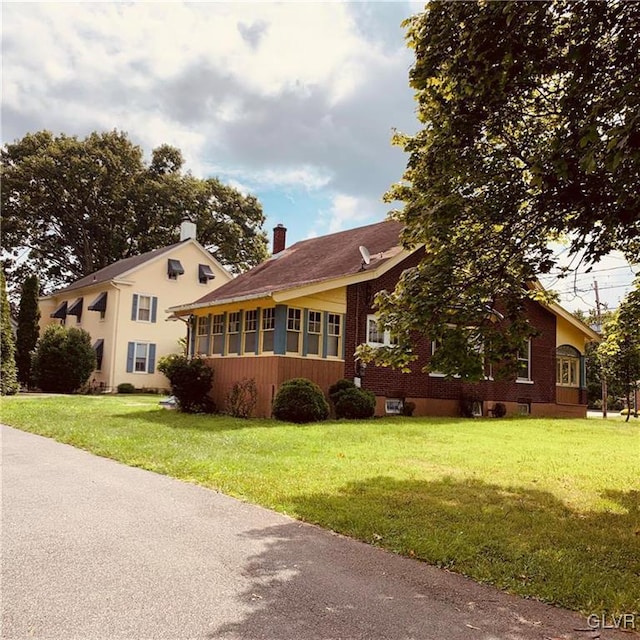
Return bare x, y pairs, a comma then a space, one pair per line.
336, 389
300, 400
355, 404
64, 359
126, 387
190, 382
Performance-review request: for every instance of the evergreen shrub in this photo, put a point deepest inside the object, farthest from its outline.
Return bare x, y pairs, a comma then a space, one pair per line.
300, 400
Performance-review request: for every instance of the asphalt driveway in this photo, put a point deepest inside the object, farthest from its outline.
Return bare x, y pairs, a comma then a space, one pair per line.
94, 549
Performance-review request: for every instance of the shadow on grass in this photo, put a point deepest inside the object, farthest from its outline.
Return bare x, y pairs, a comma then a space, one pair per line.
197, 421
520, 540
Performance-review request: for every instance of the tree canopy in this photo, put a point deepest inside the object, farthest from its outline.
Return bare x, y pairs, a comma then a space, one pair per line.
619, 352
72, 206
531, 133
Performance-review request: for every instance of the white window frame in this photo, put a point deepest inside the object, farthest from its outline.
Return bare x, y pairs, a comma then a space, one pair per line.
203, 323
267, 325
251, 323
294, 325
135, 357
140, 308
331, 334
387, 338
234, 319
217, 331
315, 332
528, 379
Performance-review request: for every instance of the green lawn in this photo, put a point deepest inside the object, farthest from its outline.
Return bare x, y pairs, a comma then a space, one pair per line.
543, 508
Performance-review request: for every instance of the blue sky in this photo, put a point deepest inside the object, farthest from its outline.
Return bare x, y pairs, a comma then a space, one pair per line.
294, 102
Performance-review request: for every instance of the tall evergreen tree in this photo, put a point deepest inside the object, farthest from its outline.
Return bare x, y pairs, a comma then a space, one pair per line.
28, 329
8, 377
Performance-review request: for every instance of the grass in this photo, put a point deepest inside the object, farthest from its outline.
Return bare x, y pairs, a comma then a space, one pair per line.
543, 508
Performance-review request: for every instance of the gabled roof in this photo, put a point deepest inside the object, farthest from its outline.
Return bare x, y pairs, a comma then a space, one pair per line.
123, 267
312, 261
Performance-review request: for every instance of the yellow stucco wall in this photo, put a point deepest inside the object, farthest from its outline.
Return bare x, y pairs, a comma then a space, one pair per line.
567, 333
118, 329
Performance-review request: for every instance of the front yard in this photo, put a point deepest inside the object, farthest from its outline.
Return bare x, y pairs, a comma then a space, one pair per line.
542, 508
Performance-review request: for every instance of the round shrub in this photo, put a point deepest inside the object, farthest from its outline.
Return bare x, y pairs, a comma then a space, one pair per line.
499, 410
190, 382
336, 389
355, 404
64, 359
126, 387
300, 400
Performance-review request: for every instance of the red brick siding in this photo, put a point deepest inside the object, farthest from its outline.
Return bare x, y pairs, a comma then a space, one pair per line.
391, 383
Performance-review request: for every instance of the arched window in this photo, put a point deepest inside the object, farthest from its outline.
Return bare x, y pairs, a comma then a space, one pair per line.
567, 366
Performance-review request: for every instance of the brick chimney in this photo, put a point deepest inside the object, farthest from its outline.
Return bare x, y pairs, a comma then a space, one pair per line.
279, 238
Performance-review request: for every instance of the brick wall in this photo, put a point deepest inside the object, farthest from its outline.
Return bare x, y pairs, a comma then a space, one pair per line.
387, 382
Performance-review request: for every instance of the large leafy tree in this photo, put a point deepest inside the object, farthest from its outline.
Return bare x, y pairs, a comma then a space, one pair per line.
72, 206
531, 132
8, 372
619, 352
28, 328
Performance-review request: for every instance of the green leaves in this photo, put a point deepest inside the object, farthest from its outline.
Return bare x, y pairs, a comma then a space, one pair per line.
516, 149
72, 207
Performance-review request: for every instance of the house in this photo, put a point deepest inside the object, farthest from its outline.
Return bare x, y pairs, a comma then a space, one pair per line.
122, 308
303, 312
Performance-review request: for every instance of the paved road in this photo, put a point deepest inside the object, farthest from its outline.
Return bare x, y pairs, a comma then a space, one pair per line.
94, 549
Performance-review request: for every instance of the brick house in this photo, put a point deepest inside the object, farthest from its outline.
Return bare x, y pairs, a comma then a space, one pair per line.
303, 312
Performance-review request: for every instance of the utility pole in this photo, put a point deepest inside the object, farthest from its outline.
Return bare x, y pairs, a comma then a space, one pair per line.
602, 379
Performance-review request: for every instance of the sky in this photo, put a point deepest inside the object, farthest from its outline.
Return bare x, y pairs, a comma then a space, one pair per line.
294, 102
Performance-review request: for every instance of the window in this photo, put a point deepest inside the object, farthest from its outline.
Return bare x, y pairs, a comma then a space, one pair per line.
378, 336
217, 334
434, 347
524, 408
233, 332
174, 269
60, 312
100, 305
293, 330
524, 362
250, 331
268, 328
76, 310
567, 366
205, 273
98, 347
333, 335
314, 333
202, 334
393, 405
144, 308
141, 357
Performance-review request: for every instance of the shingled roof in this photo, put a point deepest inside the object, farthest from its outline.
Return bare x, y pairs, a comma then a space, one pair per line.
314, 260
118, 268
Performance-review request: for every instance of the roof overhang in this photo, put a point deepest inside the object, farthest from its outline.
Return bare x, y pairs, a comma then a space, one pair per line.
306, 289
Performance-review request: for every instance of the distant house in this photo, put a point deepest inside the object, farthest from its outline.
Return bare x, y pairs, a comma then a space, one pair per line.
303, 312
122, 308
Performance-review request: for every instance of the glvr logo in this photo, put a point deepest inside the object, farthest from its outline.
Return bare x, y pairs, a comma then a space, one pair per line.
611, 621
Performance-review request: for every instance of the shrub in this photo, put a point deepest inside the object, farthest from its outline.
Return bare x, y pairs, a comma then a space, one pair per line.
336, 389
408, 408
499, 410
8, 371
300, 400
190, 382
28, 330
126, 387
64, 359
355, 404
242, 399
